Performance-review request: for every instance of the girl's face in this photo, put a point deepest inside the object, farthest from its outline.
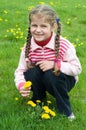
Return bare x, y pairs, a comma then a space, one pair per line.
40, 28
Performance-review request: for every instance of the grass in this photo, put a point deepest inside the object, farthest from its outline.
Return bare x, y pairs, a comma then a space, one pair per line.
16, 114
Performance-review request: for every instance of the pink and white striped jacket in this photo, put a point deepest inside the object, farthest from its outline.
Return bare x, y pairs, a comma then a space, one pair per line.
68, 60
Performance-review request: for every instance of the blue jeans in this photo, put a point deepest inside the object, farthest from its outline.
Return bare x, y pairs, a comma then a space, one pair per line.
58, 86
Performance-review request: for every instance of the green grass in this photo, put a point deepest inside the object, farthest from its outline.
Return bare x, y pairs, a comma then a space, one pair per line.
17, 115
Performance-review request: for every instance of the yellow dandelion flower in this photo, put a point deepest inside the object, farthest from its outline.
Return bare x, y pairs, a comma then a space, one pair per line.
41, 2
1, 19
47, 111
45, 116
21, 36
17, 37
38, 101
21, 33
77, 39
52, 113
7, 30
16, 98
31, 103
27, 84
30, 7
51, 3
45, 107
68, 22
21, 48
5, 11
19, 29
49, 102
16, 25
81, 43
17, 32
11, 30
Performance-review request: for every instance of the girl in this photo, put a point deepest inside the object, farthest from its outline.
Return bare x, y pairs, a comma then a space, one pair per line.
48, 60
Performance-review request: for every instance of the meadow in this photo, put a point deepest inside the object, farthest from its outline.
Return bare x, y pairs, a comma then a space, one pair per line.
15, 113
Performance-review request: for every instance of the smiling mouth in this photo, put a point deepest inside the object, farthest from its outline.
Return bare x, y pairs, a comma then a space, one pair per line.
38, 34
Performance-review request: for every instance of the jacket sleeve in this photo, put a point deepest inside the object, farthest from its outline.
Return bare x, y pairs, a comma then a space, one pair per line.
22, 67
70, 64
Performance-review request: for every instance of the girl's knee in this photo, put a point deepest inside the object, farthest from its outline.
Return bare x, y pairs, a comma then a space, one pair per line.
32, 73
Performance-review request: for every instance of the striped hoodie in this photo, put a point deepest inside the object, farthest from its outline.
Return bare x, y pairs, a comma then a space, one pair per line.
68, 60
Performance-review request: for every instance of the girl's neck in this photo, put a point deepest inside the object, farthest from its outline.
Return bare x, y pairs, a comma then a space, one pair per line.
43, 43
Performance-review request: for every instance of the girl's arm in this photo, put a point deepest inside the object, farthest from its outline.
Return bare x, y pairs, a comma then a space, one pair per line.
22, 67
71, 64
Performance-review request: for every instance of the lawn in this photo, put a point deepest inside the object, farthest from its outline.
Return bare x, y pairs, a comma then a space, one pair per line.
15, 113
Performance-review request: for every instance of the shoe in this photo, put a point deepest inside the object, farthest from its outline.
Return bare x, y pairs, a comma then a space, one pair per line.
71, 117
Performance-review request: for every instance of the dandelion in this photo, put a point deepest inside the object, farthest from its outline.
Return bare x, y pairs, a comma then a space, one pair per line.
38, 101
17, 37
45, 116
16, 25
68, 21
19, 29
27, 84
81, 43
45, 107
47, 111
41, 2
31, 103
49, 102
51, 3
77, 39
5, 11
16, 98
12, 30
0, 19
30, 7
52, 113
7, 30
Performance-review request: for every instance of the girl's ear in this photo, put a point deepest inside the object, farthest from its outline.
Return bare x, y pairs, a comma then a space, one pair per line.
54, 26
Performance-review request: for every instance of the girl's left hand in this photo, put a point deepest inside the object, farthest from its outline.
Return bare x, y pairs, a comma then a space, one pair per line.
45, 65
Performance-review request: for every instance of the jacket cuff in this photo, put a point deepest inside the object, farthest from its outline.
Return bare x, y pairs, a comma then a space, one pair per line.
20, 85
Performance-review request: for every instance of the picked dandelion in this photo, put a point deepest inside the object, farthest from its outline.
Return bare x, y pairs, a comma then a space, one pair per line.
27, 84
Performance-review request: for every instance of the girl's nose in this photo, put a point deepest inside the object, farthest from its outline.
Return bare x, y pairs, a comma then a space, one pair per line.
38, 29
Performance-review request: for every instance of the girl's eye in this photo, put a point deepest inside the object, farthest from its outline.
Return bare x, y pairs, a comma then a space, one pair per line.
43, 26
33, 25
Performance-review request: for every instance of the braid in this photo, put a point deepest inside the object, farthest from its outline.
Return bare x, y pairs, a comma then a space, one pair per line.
28, 42
57, 38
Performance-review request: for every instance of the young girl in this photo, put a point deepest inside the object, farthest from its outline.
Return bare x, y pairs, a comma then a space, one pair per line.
48, 60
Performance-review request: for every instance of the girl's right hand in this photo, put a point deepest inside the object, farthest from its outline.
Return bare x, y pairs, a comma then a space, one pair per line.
25, 92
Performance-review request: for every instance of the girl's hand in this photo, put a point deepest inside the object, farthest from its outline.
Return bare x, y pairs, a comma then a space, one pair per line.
25, 92
45, 65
